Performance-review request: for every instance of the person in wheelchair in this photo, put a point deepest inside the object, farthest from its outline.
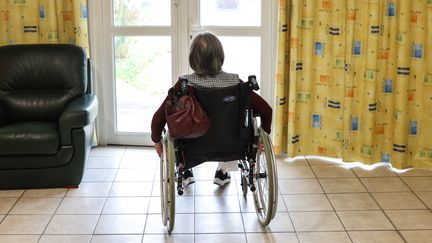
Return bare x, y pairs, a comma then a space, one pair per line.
206, 58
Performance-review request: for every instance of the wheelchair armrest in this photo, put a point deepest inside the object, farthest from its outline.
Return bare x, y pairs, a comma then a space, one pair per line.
253, 84
77, 114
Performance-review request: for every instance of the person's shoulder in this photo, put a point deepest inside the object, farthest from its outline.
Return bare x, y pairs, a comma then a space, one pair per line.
186, 76
229, 76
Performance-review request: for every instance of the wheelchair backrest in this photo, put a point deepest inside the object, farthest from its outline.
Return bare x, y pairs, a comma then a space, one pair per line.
223, 141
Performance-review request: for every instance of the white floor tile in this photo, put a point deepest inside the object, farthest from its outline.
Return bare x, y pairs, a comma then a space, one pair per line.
271, 238
342, 185
375, 236
217, 204
281, 223
121, 224
220, 238
365, 220
11, 193
320, 200
184, 224
299, 186
392, 184
131, 189
65, 239
398, 200
318, 237
87, 205
91, 189
219, 223
417, 236
126, 205
36, 205
19, 238
99, 175
6, 203
410, 219
72, 224
102, 162
352, 201
54, 192
165, 238
316, 221
117, 239
24, 224
307, 202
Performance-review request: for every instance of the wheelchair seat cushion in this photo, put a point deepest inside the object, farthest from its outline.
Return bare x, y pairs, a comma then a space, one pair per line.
26, 138
222, 142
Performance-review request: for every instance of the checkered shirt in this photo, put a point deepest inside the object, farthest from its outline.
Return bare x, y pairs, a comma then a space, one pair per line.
220, 80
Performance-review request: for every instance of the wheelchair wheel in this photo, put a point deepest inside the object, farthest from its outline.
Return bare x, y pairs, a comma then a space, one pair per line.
265, 178
167, 185
244, 185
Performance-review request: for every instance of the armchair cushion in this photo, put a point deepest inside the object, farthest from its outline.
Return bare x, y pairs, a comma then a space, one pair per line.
26, 138
77, 114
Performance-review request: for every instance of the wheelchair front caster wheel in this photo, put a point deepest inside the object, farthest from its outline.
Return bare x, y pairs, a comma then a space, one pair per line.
244, 185
180, 191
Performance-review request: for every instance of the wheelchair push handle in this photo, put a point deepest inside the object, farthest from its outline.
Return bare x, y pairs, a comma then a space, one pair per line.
183, 85
253, 83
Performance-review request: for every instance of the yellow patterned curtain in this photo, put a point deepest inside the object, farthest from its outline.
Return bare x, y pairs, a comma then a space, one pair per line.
44, 21
354, 80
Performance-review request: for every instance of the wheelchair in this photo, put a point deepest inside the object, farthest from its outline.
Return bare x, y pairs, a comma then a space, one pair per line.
227, 139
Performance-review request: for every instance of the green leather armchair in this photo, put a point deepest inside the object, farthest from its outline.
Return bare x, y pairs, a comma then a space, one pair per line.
47, 115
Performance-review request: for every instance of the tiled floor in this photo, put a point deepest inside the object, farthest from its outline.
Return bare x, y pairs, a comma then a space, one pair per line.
319, 201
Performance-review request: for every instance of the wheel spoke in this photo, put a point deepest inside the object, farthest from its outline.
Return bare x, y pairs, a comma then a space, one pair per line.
265, 197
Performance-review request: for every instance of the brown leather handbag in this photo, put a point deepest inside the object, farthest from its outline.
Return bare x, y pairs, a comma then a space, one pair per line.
185, 116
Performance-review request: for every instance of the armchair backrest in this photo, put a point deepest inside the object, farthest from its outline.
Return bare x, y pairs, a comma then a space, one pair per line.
38, 80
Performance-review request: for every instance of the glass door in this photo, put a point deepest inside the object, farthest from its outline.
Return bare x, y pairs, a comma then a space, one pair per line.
138, 49
243, 26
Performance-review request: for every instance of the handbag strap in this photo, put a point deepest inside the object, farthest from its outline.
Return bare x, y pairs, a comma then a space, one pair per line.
184, 85
175, 94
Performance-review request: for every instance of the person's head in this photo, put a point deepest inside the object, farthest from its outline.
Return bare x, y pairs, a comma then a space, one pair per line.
206, 54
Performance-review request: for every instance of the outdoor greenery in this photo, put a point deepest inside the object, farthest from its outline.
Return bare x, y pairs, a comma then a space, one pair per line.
139, 60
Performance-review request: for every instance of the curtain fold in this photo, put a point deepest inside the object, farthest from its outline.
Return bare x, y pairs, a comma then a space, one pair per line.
354, 80
44, 21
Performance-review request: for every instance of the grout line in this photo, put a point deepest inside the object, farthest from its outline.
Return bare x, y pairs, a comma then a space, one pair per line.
149, 204
238, 194
106, 198
383, 211
331, 204
53, 214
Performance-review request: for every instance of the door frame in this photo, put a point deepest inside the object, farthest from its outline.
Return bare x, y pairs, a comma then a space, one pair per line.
181, 24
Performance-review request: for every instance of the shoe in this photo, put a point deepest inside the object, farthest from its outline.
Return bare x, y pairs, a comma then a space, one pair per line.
188, 177
220, 178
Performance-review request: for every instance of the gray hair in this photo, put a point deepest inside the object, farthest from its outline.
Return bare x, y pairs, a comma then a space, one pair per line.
206, 54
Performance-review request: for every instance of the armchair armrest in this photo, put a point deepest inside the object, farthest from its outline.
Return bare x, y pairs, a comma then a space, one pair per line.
77, 114
2, 115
